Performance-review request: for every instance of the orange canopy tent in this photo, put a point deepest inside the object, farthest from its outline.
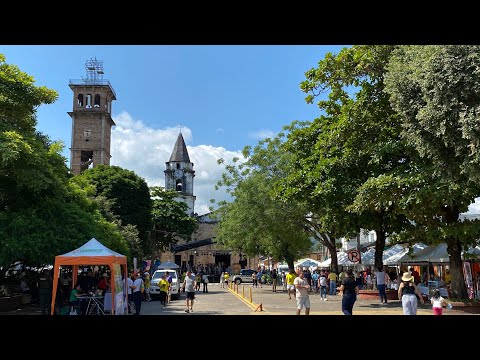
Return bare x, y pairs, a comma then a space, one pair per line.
91, 253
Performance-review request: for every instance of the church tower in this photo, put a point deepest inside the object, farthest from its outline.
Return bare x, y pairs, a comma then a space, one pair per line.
91, 119
179, 174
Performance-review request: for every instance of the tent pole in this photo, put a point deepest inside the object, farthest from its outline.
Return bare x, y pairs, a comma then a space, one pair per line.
54, 289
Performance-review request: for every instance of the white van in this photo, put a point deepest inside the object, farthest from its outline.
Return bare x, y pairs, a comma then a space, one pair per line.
157, 275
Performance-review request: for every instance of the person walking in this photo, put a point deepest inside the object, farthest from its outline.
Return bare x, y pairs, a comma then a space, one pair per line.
189, 288
302, 296
322, 284
284, 281
438, 302
274, 280
349, 290
205, 283
137, 295
45, 285
164, 287
332, 277
381, 286
222, 281
408, 291
147, 286
290, 277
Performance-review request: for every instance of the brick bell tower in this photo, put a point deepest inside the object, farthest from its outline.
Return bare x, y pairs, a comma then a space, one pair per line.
91, 119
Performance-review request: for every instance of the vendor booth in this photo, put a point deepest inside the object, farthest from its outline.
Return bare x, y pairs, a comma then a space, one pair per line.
95, 253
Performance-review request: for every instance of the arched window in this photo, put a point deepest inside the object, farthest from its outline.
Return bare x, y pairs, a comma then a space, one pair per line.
178, 166
96, 103
80, 100
88, 102
178, 185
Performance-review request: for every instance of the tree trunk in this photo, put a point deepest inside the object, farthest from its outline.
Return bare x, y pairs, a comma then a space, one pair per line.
454, 249
458, 287
333, 254
379, 246
290, 260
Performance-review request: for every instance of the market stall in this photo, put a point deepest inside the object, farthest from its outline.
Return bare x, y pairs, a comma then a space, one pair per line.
95, 253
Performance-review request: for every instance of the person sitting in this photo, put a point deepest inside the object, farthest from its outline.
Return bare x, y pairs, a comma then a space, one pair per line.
74, 300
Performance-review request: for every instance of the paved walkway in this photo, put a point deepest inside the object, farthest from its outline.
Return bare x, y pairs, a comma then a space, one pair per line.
221, 301
278, 304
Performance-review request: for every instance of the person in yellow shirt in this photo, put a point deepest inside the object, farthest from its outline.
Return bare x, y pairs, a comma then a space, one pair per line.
164, 286
226, 278
448, 277
290, 278
333, 283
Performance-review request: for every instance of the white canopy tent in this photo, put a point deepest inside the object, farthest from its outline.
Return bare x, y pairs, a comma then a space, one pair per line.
307, 262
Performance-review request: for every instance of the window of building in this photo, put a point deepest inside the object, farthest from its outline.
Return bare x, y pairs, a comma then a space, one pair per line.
80, 100
178, 185
96, 102
87, 133
178, 166
88, 102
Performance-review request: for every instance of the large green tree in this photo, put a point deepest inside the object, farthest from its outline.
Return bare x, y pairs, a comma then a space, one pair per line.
255, 222
435, 90
128, 196
41, 213
170, 220
347, 151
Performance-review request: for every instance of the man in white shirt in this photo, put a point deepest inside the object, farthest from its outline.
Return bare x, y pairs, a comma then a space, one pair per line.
380, 278
189, 287
137, 295
302, 297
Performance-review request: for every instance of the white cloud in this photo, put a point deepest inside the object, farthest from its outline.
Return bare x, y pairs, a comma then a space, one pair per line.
145, 151
474, 208
261, 134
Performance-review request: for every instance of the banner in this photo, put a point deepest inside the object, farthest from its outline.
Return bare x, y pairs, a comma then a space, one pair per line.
119, 292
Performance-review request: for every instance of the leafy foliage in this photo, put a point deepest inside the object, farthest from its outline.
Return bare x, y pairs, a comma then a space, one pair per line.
255, 222
170, 219
128, 195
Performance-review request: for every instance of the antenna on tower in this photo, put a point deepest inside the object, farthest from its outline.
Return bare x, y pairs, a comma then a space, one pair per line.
94, 71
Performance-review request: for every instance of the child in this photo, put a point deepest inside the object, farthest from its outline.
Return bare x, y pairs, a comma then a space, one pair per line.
437, 302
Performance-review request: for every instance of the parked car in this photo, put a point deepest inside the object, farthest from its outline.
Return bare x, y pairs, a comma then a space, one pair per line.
157, 275
244, 276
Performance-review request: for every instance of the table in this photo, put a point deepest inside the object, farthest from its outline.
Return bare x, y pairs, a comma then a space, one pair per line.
94, 303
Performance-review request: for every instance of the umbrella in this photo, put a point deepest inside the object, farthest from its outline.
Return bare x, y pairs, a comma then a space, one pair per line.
168, 265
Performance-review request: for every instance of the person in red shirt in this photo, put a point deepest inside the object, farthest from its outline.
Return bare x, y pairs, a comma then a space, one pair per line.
103, 283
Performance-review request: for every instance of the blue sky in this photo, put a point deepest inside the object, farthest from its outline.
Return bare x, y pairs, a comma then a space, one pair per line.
224, 97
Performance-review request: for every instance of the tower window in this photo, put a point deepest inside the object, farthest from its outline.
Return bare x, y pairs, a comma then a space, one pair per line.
87, 133
96, 102
80, 100
178, 166
178, 185
88, 102
86, 160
